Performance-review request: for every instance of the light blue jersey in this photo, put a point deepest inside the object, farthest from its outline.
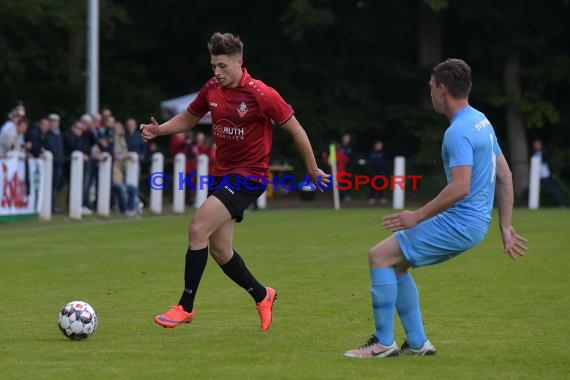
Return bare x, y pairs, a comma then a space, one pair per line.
470, 140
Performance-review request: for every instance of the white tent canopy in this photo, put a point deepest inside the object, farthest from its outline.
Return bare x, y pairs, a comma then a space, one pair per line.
173, 107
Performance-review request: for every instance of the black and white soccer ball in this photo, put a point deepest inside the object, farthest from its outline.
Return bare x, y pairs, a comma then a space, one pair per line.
77, 320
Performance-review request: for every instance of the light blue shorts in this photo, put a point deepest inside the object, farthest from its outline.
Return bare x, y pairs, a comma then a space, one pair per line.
438, 239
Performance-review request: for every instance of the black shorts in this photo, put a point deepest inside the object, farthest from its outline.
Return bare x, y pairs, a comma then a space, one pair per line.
236, 193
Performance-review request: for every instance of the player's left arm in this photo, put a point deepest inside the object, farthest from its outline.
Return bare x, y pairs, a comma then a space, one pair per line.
319, 178
454, 191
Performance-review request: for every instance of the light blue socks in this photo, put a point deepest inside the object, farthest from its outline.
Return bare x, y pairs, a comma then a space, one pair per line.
384, 292
408, 306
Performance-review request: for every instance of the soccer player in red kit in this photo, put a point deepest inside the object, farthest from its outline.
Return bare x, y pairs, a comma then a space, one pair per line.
243, 110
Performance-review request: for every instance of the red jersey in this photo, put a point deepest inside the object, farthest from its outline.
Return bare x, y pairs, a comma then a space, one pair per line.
242, 124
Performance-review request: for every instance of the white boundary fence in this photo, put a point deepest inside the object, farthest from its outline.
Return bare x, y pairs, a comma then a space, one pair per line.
398, 193
534, 183
76, 185
132, 170
201, 172
157, 166
104, 185
176, 180
179, 190
45, 208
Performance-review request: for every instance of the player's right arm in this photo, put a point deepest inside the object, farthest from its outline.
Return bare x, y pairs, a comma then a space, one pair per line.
453, 192
180, 123
514, 244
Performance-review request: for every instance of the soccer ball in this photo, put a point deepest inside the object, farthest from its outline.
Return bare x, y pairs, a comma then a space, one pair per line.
77, 320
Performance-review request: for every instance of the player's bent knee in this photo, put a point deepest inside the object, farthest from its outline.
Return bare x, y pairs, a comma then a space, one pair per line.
376, 259
379, 258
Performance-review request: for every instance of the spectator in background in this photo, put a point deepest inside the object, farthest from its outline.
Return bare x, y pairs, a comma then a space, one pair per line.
14, 117
177, 143
200, 144
346, 149
146, 163
13, 139
108, 128
183, 143
38, 137
342, 161
74, 140
96, 120
127, 194
88, 133
146, 166
71, 139
341, 167
546, 179
105, 115
92, 125
54, 143
377, 163
102, 145
133, 137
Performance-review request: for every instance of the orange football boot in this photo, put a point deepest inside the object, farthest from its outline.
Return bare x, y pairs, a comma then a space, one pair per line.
265, 307
174, 317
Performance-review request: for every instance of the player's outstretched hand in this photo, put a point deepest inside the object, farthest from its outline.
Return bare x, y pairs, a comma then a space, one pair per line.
400, 221
514, 244
320, 179
149, 131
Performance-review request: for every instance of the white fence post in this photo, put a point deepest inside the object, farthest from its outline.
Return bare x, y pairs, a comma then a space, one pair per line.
262, 201
156, 190
179, 191
133, 170
104, 185
76, 185
45, 208
201, 183
399, 172
534, 185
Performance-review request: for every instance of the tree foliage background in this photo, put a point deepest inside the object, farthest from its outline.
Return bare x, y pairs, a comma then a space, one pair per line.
345, 66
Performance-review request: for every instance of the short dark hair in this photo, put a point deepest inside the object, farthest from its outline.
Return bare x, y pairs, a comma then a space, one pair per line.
455, 74
225, 43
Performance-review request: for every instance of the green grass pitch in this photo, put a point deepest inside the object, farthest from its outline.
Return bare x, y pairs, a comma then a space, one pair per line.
489, 317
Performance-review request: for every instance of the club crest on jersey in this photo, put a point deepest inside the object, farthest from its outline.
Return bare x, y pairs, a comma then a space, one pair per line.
242, 109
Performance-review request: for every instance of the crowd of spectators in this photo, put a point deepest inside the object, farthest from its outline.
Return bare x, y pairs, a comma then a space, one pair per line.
93, 135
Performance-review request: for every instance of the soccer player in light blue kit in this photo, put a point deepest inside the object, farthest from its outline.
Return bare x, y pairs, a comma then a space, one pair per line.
454, 221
